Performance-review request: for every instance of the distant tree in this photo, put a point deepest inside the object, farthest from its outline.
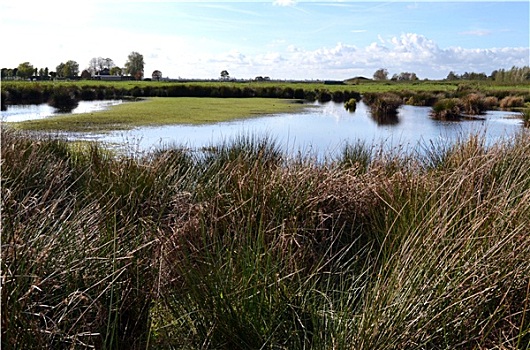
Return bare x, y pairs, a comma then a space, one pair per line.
4, 73
9, 73
381, 74
70, 69
156, 75
98, 64
135, 65
116, 71
405, 76
225, 75
46, 72
25, 70
15, 73
59, 70
452, 76
53, 74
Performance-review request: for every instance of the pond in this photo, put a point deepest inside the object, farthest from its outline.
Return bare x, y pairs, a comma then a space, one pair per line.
19, 113
321, 130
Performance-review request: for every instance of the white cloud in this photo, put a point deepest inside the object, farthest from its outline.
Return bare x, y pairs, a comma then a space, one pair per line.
284, 2
478, 32
408, 52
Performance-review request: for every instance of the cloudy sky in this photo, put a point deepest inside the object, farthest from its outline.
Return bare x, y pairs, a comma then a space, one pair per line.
282, 39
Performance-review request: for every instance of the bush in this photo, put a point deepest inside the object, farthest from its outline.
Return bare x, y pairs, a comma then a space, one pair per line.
512, 102
420, 98
350, 105
324, 96
64, 99
473, 104
383, 106
88, 94
3, 100
447, 109
491, 102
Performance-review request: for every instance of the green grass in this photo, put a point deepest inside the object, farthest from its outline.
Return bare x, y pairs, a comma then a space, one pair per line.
238, 248
164, 111
359, 86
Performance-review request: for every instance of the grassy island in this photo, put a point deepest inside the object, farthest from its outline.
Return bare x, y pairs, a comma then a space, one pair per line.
164, 111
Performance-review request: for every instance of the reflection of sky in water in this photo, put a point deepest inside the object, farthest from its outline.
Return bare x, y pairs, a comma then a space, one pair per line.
320, 131
18, 113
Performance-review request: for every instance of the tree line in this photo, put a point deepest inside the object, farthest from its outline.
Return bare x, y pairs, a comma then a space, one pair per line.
98, 66
513, 75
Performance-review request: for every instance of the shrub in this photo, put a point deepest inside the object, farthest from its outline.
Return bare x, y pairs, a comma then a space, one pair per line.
3, 100
512, 102
338, 96
351, 105
88, 93
383, 106
473, 104
491, 102
447, 109
324, 96
420, 98
63, 99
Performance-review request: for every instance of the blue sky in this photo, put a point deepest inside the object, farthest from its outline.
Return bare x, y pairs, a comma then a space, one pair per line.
282, 39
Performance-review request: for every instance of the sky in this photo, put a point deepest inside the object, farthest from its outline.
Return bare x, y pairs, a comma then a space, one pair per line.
281, 39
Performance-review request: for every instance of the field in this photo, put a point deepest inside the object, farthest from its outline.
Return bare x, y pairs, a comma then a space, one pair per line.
239, 249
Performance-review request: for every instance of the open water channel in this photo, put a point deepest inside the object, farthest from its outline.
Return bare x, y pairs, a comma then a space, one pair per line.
321, 130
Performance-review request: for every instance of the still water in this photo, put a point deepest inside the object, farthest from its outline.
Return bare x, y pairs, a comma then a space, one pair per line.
19, 113
321, 130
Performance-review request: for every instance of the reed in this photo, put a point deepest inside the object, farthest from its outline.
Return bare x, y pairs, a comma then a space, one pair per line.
447, 109
351, 105
384, 104
237, 247
511, 102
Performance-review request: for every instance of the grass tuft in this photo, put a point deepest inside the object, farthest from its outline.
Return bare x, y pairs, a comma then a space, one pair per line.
237, 247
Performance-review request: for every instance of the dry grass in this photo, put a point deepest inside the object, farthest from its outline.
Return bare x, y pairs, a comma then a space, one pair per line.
236, 248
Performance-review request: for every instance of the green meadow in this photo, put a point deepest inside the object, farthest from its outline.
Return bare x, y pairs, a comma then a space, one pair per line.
163, 111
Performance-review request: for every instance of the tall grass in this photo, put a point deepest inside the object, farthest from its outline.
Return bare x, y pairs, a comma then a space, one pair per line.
238, 248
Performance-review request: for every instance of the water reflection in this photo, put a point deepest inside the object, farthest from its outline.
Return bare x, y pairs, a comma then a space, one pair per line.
320, 131
19, 113
65, 107
385, 118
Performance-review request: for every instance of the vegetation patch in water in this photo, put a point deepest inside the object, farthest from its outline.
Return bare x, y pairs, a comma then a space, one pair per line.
164, 111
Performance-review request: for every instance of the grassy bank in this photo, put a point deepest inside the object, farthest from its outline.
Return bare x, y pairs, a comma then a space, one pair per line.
240, 249
164, 111
16, 92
